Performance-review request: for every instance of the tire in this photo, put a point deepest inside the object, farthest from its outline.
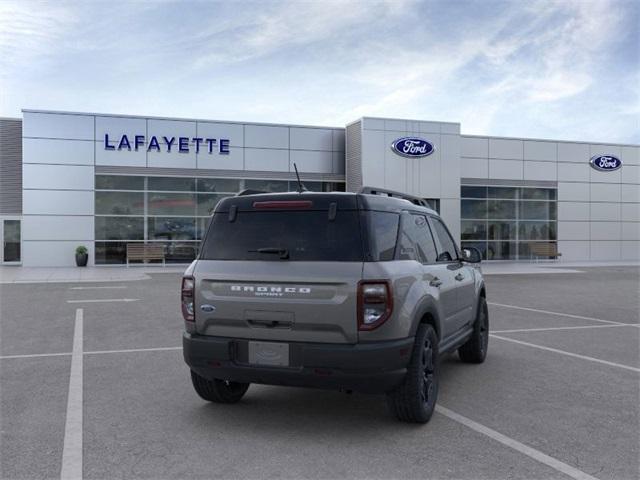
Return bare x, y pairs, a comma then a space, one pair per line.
218, 391
475, 349
415, 399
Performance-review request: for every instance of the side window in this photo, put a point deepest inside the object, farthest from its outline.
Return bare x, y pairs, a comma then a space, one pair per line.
415, 242
383, 236
447, 251
426, 239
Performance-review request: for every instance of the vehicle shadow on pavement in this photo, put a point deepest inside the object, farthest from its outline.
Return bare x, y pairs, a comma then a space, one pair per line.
290, 410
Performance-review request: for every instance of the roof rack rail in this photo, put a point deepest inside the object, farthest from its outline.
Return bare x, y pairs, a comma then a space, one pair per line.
390, 193
249, 191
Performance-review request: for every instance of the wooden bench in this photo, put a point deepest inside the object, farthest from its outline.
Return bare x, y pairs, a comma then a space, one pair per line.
544, 250
144, 252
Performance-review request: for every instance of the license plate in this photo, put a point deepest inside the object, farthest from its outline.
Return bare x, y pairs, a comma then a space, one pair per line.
268, 353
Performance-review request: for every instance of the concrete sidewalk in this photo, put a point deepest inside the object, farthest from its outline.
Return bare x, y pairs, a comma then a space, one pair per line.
14, 274
11, 274
529, 268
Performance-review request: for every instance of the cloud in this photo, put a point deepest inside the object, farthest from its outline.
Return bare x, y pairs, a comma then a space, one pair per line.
502, 68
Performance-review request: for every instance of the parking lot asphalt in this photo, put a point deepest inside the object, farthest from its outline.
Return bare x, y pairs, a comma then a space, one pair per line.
556, 398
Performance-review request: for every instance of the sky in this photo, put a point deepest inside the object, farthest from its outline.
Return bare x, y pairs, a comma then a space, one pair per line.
565, 70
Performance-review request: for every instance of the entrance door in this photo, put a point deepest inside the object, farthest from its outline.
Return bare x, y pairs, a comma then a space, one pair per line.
11, 241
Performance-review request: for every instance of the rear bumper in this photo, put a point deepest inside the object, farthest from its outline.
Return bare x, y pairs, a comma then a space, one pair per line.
367, 367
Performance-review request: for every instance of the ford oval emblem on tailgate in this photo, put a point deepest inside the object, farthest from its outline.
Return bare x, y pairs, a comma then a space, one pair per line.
207, 308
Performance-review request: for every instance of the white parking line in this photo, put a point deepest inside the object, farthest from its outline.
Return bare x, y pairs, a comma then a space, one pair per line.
524, 330
72, 447
134, 350
99, 300
569, 354
93, 352
515, 445
35, 355
580, 317
96, 288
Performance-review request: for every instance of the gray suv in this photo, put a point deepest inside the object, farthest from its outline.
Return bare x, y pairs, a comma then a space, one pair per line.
349, 291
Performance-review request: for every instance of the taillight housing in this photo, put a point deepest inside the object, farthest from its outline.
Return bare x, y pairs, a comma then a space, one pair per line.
186, 298
375, 303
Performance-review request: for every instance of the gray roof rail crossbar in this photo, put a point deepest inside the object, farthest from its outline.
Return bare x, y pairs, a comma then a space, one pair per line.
249, 191
391, 193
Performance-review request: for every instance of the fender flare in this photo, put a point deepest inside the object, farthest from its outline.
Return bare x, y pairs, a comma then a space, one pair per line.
427, 307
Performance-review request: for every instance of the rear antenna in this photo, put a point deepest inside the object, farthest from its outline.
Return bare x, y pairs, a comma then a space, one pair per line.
301, 187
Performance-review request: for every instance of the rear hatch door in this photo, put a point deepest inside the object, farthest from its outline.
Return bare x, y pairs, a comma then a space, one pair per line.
272, 269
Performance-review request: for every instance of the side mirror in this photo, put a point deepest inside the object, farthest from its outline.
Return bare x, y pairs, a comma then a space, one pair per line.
471, 255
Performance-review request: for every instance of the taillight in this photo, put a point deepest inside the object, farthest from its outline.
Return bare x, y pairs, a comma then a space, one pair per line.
186, 298
375, 303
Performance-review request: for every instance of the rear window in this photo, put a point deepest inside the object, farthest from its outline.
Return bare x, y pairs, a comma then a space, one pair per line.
284, 236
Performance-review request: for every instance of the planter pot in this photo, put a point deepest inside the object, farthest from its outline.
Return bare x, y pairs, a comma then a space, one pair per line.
82, 259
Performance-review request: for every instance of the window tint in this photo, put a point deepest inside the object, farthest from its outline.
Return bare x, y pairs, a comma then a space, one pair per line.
416, 242
383, 235
305, 235
447, 251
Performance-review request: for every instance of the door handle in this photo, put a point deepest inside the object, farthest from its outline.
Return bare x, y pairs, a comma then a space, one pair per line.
435, 282
459, 277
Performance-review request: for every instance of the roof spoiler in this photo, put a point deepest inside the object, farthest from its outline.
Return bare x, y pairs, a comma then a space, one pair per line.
390, 193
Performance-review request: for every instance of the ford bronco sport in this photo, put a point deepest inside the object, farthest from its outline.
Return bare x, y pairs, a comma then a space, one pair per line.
355, 292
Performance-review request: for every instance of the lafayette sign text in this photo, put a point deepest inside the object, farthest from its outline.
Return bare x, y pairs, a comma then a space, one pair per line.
158, 144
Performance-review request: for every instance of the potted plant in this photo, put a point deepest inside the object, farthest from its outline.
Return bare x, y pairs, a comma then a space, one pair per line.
82, 256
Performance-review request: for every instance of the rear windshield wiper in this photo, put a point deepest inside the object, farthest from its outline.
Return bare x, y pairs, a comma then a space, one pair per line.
283, 252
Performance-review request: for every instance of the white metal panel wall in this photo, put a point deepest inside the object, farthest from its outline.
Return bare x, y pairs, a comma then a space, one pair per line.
598, 212
61, 151
58, 181
57, 151
434, 176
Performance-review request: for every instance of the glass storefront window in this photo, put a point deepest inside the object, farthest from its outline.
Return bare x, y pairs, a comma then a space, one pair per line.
473, 192
171, 204
537, 231
207, 204
503, 223
501, 250
473, 230
267, 185
180, 252
202, 224
474, 209
119, 203
502, 230
538, 194
217, 185
119, 228
119, 182
174, 184
502, 192
175, 210
538, 210
108, 253
501, 209
171, 228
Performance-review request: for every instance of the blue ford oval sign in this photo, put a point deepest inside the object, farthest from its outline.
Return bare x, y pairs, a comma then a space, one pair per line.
412, 147
605, 163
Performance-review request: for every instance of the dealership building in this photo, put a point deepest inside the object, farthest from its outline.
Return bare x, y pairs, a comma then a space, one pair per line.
109, 181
